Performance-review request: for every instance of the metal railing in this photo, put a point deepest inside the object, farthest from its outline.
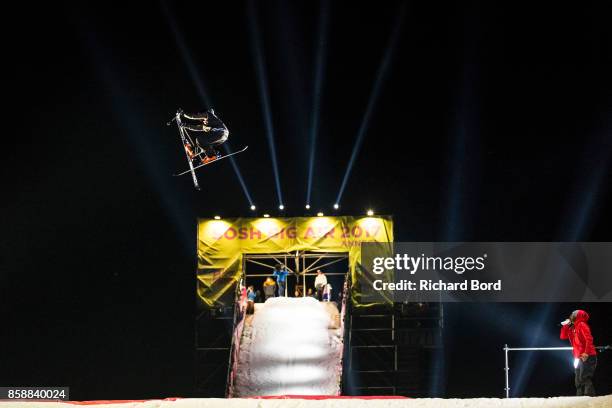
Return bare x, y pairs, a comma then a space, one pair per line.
507, 349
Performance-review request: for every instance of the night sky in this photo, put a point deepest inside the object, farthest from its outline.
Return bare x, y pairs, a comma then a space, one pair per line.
490, 122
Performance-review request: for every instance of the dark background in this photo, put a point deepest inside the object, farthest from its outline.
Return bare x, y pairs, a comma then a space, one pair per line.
493, 123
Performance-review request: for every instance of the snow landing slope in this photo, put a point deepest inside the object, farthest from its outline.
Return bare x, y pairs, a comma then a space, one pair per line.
290, 346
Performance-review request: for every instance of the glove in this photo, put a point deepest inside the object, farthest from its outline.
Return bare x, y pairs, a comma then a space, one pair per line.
565, 322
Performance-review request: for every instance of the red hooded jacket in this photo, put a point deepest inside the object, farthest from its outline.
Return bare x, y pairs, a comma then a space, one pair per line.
579, 335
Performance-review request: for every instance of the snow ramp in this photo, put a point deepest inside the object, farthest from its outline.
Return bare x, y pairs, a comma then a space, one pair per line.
290, 346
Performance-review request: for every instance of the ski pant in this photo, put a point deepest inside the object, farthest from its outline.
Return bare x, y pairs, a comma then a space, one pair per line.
320, 289
584, 376
281, 287
211, 139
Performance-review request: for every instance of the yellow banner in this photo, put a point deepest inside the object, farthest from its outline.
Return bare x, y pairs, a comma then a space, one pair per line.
221, 244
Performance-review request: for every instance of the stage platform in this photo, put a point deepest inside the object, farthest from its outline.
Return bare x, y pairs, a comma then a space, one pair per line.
327, 402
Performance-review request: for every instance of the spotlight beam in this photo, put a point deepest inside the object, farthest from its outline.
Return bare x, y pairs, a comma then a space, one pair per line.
199, 83
133, 121
228, 150
465, 140
318, 86
583, 214
380, 77
186, 56
257, 51
597, 163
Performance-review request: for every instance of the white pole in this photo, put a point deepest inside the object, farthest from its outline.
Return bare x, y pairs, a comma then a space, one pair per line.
507, 369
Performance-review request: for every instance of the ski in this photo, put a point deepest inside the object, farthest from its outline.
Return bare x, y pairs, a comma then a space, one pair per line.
192, 168
184, 140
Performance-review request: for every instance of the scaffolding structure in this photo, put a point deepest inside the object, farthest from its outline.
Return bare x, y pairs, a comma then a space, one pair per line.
391, 348
300, 265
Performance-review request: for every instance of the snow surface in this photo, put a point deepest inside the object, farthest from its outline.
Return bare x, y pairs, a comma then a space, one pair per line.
557, 402
291, 346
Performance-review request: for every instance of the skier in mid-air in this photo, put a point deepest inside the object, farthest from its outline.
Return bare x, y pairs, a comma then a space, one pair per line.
211, 133
208, 133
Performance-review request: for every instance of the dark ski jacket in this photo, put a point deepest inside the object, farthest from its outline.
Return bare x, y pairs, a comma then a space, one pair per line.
214, 121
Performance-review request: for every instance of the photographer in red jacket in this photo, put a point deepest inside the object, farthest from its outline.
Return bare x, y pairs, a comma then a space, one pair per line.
578, 332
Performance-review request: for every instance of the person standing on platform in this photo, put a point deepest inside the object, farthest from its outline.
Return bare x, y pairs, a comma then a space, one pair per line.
578, 332
269, 287
320, 283
280, 273
251, 295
